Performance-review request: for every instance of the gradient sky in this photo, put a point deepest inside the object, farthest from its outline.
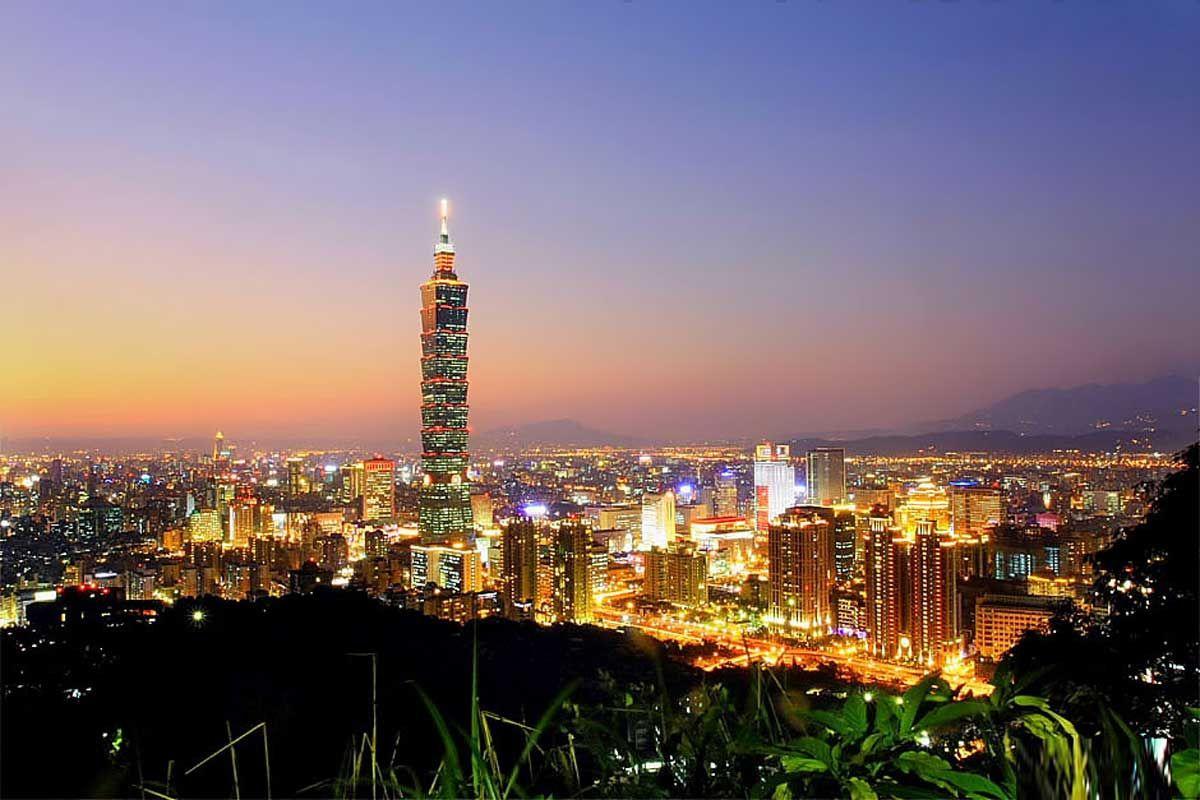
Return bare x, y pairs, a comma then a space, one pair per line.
677, 219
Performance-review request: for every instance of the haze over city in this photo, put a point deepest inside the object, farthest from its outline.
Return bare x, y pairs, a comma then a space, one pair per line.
679, 220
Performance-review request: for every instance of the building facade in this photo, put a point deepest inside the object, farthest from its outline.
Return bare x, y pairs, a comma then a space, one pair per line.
774, 483
658, 519
826, 476
801, 573
379, 489
676, 576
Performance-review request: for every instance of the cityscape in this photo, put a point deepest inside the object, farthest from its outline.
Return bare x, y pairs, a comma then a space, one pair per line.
996, 604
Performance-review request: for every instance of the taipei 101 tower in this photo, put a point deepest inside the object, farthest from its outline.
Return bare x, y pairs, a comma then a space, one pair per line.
445, 499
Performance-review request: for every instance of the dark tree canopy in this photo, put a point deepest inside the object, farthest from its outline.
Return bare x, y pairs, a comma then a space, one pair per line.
1143, 657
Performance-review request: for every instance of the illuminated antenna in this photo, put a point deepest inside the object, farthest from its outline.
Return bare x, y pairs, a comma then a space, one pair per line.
444, 244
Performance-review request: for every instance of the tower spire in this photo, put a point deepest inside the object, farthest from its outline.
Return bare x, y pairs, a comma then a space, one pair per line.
444, 244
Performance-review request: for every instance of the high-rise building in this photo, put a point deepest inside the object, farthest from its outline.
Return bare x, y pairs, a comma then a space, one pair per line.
677, 575
1001, 620
519, 576
455, 569
297, 481
934, 596
572, 600
827, 476
884, 555
801, 572
482, 509
204, 525
658, 519
625, 517
924, 502
352, 481
379, 489
774, 483
445, 497
974, 510
725, 494
912, 606
845, 541
598, 561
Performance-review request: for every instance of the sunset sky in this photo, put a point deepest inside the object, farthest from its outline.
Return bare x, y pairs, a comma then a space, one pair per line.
677, 219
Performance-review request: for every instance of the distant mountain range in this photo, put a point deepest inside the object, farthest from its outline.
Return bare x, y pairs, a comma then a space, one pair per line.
1002, 442
1162, 404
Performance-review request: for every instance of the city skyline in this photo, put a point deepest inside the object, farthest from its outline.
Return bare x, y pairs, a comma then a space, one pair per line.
801, 401
200, 243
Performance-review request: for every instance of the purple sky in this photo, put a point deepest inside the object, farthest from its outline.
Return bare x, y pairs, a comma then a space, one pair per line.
677, 219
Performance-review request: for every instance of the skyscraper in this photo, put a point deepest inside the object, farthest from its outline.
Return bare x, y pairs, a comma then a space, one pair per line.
912, 600
827, 476
884, 555
297, 481
572, 599
379, 489
445, 497
455, 569
774, 483
935, 624
352, 476
519, 577
974, 510
658, 519
801, 571
677, 575
725, 494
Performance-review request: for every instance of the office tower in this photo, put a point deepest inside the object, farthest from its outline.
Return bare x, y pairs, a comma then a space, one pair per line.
658, 519
725, 494
827, 476
845, 540
598, 561
677, 575
297, 481
352, 481
445, 497
572, 599
99, 521
934, 597
379, 490
455, 569
482, 509
884, 607
1001, 620
801, 572
974, 510
204, 525
519, 575
218, 447
56, 472
375, 544
774, 483
245, 520
626, 517
924, 502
